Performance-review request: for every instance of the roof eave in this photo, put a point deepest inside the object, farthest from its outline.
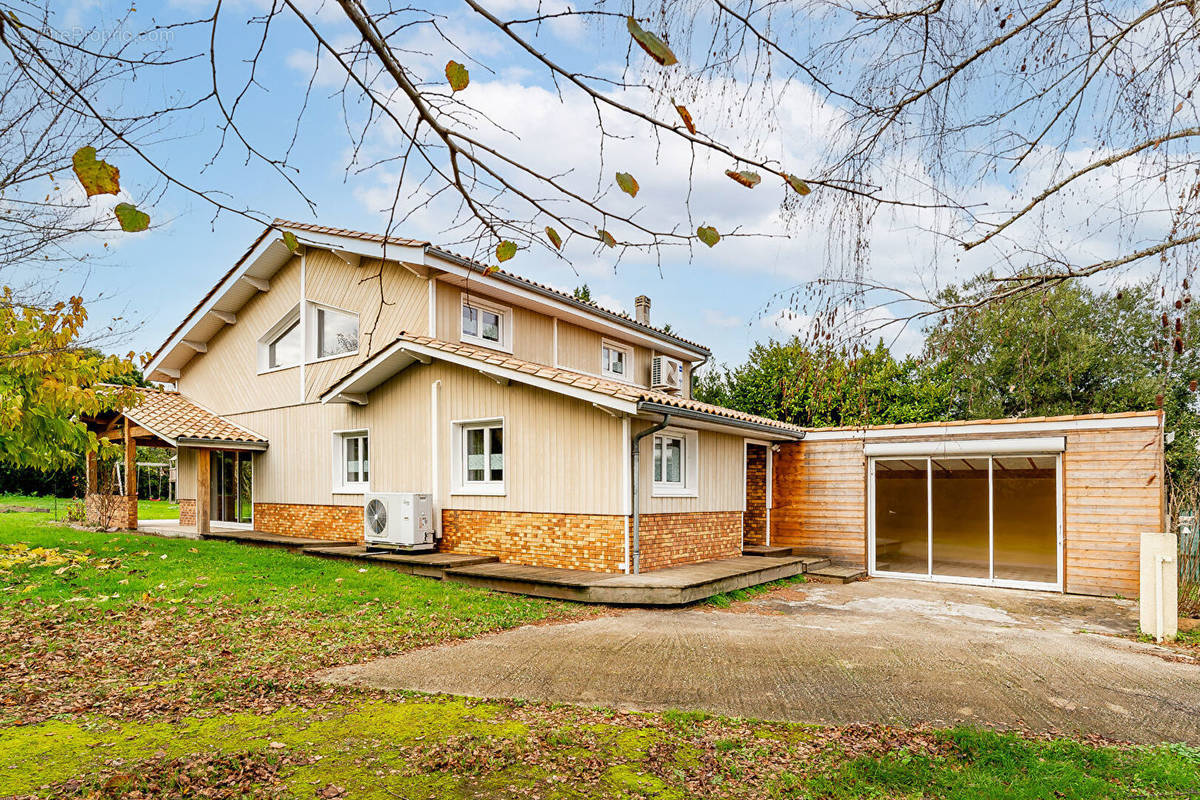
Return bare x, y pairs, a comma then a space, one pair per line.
717, 419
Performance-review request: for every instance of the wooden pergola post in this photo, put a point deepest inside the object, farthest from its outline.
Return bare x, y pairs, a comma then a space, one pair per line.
93, 473
203, 480
131, 508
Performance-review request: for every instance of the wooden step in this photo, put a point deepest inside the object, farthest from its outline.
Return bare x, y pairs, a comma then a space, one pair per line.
427, 565
766, 550
814, 562
836, 573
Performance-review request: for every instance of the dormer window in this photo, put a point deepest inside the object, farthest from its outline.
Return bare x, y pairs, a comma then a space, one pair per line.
486, 324
615, 361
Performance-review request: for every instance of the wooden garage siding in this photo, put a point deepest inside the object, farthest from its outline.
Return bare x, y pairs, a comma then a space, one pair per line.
1112, 486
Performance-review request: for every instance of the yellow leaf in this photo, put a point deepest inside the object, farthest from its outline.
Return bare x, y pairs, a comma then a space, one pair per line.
686, 116
655, 47
708, 235
607, 238
628, 183
799, 185
745, 178
555, 239
97, 177
458, 76
505, 250
132, 220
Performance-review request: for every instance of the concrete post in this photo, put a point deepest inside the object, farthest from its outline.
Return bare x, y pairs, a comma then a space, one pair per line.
1159, 594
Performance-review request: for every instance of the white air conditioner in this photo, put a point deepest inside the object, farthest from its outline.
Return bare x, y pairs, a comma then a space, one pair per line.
666, 374
401, 520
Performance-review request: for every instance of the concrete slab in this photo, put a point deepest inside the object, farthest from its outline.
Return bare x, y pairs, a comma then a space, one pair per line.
879, 651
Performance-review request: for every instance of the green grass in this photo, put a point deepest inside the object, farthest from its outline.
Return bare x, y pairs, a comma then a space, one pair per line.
133, 663
726, 599
147, 509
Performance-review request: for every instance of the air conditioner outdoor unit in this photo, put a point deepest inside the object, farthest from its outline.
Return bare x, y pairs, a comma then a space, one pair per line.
666, 374
399, 520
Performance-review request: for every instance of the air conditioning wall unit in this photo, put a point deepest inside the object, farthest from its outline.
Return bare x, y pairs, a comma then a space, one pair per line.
666, 374
399, 520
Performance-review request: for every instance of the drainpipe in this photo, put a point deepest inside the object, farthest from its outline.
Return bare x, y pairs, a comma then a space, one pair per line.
633, 487
1159, 613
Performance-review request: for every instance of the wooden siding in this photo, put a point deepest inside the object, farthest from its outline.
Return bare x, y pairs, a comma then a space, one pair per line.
819, 499
1112, 493
225, 379
562, 455
330, 281
532, 333
185, 474
721, 475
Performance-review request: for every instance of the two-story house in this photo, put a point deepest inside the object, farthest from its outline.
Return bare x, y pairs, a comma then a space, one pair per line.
362, 364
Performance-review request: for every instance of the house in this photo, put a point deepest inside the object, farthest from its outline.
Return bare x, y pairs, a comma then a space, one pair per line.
552, 432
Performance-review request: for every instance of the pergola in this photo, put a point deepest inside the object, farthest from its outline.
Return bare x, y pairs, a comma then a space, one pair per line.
164, 419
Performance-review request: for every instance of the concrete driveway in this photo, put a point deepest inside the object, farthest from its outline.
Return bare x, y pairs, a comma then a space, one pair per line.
879, 651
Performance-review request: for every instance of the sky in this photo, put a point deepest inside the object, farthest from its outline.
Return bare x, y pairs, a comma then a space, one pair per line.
727, 297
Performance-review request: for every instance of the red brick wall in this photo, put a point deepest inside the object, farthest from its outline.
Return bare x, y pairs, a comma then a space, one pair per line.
593, 542
336, 523
756, 494
187, 513
669, 539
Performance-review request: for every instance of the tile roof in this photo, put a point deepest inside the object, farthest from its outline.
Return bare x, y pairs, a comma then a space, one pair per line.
170, 414
605, 386
371, 237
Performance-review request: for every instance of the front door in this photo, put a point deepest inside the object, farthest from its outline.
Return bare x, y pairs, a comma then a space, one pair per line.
232, 487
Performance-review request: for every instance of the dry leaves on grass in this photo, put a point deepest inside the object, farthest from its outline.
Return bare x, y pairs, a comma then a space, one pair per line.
210, 776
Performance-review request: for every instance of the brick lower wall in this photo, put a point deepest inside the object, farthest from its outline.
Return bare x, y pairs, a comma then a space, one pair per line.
187, 513
756, 495
593, 542
111, 511
336, 523
669, 539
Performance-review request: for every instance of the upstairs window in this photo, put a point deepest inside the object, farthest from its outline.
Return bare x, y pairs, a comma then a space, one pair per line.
486, 324
335, 333
281, 346
615, 361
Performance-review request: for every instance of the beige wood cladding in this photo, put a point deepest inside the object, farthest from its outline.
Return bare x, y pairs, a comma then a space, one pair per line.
581, 349
532, 333
721, 475
561, 454
185, 474
1112, 493
332, 282
225, 379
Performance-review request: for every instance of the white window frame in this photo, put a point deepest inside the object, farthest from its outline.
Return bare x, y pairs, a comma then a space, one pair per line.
458, 465
689, 470
340, 484
624, 350
274, 333
310, 349
506, 323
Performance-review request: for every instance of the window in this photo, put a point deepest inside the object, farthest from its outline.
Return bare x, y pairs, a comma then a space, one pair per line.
486, 324
615, 361
336, 332
281, 347
352, 461
479, 457
675, 466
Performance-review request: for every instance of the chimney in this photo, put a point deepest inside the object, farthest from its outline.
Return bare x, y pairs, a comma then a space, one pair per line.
641, 309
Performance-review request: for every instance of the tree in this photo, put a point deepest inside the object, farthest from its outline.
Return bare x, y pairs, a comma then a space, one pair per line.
583, 293
791, 382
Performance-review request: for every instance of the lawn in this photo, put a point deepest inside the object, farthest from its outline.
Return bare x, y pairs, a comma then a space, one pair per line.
134, 666
147, 509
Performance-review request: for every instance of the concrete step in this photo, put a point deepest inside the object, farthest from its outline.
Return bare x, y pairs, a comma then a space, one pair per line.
767, 550
836, 573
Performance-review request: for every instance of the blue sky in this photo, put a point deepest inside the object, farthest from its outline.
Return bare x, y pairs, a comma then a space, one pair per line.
721, 297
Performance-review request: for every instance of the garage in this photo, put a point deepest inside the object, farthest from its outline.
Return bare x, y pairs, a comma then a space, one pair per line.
967, 515
1046, 503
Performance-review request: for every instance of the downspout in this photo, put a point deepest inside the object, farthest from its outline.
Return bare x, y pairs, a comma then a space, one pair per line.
633, 487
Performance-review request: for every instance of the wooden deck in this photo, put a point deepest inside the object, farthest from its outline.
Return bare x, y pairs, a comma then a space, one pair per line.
427, 565
672, 586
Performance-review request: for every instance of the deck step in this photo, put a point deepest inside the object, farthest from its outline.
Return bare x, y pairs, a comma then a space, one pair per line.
836, 573
261, 538
766, 550
428, 565
815, 562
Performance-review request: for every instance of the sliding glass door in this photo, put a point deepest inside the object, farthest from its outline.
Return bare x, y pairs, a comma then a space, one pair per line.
232, 487
990, 520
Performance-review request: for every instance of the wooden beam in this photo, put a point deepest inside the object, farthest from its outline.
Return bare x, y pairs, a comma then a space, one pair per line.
500, 379
354, 397
416, 356
199, 347
93, 472
262, 284
353, 259
228, 317
137, 431
203, 500
173, 374
131, 513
